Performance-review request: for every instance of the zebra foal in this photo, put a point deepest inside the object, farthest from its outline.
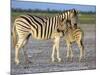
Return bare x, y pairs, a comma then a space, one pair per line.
74, 34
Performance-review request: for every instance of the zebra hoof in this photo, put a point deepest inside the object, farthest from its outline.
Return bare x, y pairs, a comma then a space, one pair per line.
53, 59
28, 62
80, 59
59, 59
69, 59
17, 62
67, 56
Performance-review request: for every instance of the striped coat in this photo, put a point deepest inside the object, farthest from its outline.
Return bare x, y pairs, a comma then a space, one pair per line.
74, 34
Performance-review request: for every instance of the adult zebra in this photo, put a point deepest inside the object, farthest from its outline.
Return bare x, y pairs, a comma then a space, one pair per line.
41, 28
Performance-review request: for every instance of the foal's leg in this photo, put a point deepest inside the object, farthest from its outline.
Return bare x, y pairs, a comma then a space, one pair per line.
69, 50
68, 47
82, 53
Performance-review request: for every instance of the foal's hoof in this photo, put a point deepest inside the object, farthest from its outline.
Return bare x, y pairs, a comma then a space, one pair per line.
28, 62
69, 59
82, 59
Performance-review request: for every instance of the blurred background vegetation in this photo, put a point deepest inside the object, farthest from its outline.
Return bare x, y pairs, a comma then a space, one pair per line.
84, 17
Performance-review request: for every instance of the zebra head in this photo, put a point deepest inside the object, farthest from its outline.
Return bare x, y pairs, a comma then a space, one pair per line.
68, 19
71, 16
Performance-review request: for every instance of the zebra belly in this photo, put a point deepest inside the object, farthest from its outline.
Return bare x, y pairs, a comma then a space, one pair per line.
37, 37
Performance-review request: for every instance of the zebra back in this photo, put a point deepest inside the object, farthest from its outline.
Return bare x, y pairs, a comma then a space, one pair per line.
42, 27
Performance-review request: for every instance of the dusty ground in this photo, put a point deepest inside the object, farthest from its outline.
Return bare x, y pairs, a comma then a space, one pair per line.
39, 53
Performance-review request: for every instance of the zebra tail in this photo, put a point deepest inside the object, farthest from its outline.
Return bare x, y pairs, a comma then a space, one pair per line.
14, 36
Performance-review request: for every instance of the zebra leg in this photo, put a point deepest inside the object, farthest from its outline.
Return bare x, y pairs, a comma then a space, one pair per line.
81, 50
57, 40
17, 48
58, 56
25, 52
53, 53
68, 47
69, 50
21, 42
26, 57
71, 53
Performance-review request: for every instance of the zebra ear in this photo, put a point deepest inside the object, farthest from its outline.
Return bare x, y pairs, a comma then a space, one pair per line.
77, 11
74, 10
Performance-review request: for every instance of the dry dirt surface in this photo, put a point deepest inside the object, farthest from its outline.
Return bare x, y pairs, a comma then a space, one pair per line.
39, 53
